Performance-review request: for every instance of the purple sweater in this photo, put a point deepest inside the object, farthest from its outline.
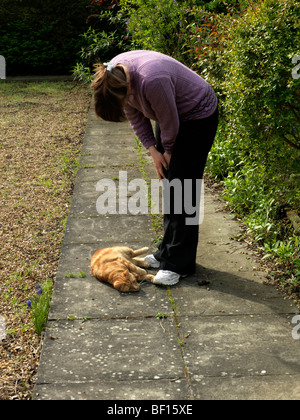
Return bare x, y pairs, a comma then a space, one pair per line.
166, 91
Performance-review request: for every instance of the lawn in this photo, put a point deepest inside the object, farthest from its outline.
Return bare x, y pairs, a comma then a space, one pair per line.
41, 131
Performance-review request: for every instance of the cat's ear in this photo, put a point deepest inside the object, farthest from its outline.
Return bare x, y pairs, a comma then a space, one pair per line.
126, 273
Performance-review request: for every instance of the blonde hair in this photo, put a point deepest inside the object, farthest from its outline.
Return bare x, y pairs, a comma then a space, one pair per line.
111, 91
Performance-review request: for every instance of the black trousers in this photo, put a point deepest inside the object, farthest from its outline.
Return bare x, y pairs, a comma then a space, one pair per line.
178, 249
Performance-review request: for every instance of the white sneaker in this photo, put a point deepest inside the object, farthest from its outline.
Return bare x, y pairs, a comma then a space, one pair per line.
166, 278
152, 261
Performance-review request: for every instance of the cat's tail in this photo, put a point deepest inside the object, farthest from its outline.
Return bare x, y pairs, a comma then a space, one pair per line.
140, 251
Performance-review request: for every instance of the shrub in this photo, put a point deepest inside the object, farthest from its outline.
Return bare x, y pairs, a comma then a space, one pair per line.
171, 26
160, 25
261, 96
101, 43
256, 152
106, 37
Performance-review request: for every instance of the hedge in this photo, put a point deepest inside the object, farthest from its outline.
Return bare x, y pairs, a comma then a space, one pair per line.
40, 37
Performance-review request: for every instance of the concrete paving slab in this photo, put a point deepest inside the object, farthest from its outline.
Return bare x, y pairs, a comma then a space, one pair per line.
222, 349
104, 129
88, 298
259, 388
130, 191
119, 148
95, 174
85, 203
240, 345
118, 351
228, 294
113, 390
119, 157
104, 150
113, 228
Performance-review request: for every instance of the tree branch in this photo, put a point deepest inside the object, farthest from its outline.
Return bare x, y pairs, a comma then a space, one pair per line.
296, 146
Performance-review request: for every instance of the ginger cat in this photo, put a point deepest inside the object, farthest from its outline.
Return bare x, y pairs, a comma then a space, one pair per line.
120, 267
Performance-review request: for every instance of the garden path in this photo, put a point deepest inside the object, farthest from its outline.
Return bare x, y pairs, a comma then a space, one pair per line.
221, 334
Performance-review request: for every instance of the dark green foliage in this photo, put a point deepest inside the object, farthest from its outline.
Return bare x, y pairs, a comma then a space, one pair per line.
106, 37
40, 37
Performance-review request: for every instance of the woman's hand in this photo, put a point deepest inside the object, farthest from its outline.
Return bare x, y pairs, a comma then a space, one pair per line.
167, 157
160, 161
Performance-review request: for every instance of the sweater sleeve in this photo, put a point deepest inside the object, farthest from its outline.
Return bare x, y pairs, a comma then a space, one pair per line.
160, 93
141, 125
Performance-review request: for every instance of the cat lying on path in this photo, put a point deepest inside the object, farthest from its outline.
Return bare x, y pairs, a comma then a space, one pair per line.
120, 267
